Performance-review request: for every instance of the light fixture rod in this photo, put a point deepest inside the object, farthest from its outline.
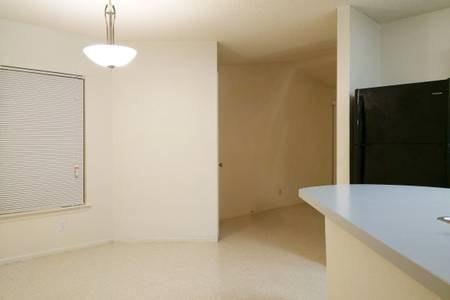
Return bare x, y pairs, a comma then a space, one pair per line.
110, 55
110, 18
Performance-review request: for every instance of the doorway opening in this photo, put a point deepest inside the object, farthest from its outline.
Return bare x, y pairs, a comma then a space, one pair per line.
276, 130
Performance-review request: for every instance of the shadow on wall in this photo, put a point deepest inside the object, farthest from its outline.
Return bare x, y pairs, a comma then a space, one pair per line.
268, 50
275, 131
317, 60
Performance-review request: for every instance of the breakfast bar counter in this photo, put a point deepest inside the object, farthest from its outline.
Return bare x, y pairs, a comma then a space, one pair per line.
384, 242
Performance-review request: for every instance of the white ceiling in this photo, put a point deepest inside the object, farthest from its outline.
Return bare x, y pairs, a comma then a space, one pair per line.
248, 30
390, 10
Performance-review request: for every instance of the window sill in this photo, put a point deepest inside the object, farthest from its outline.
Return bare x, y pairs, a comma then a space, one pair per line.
36, 213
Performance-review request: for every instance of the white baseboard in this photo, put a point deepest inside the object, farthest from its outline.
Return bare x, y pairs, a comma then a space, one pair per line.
261, 210
8, 260
180, 239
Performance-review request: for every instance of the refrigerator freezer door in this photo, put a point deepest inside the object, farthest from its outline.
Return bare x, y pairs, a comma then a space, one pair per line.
412, 113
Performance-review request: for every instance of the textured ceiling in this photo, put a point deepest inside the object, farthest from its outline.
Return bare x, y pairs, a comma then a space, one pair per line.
248, 30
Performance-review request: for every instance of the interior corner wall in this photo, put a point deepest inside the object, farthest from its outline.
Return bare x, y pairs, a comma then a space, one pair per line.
151, 144
359, 66
35, 47
342, 167
416, 49
275, 129
165, 143
365, 52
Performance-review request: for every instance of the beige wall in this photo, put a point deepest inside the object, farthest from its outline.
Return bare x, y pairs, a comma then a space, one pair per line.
275, 136
34, 47
165, 143
355, 271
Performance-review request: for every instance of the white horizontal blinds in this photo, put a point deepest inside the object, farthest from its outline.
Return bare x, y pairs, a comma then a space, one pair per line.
41, 141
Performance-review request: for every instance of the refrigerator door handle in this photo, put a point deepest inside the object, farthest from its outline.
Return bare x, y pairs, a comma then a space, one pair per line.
360, 120
360, 138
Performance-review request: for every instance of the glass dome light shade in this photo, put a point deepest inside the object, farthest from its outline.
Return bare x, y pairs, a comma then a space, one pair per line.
110, 55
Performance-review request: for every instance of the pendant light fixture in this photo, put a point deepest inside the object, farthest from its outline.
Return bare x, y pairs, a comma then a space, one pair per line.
110, 55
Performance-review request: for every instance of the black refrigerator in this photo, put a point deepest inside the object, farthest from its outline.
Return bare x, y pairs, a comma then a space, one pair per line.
400, 135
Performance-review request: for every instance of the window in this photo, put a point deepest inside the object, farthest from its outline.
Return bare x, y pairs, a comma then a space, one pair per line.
41, 140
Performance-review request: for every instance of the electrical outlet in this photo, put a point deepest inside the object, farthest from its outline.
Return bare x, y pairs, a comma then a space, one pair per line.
61, 226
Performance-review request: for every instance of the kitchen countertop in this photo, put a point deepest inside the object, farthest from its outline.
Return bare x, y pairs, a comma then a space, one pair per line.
397, 222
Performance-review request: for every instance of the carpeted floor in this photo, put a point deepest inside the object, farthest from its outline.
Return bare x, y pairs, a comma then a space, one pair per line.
279, 254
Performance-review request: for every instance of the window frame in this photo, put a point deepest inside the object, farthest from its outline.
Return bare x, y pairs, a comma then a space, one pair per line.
84, 204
